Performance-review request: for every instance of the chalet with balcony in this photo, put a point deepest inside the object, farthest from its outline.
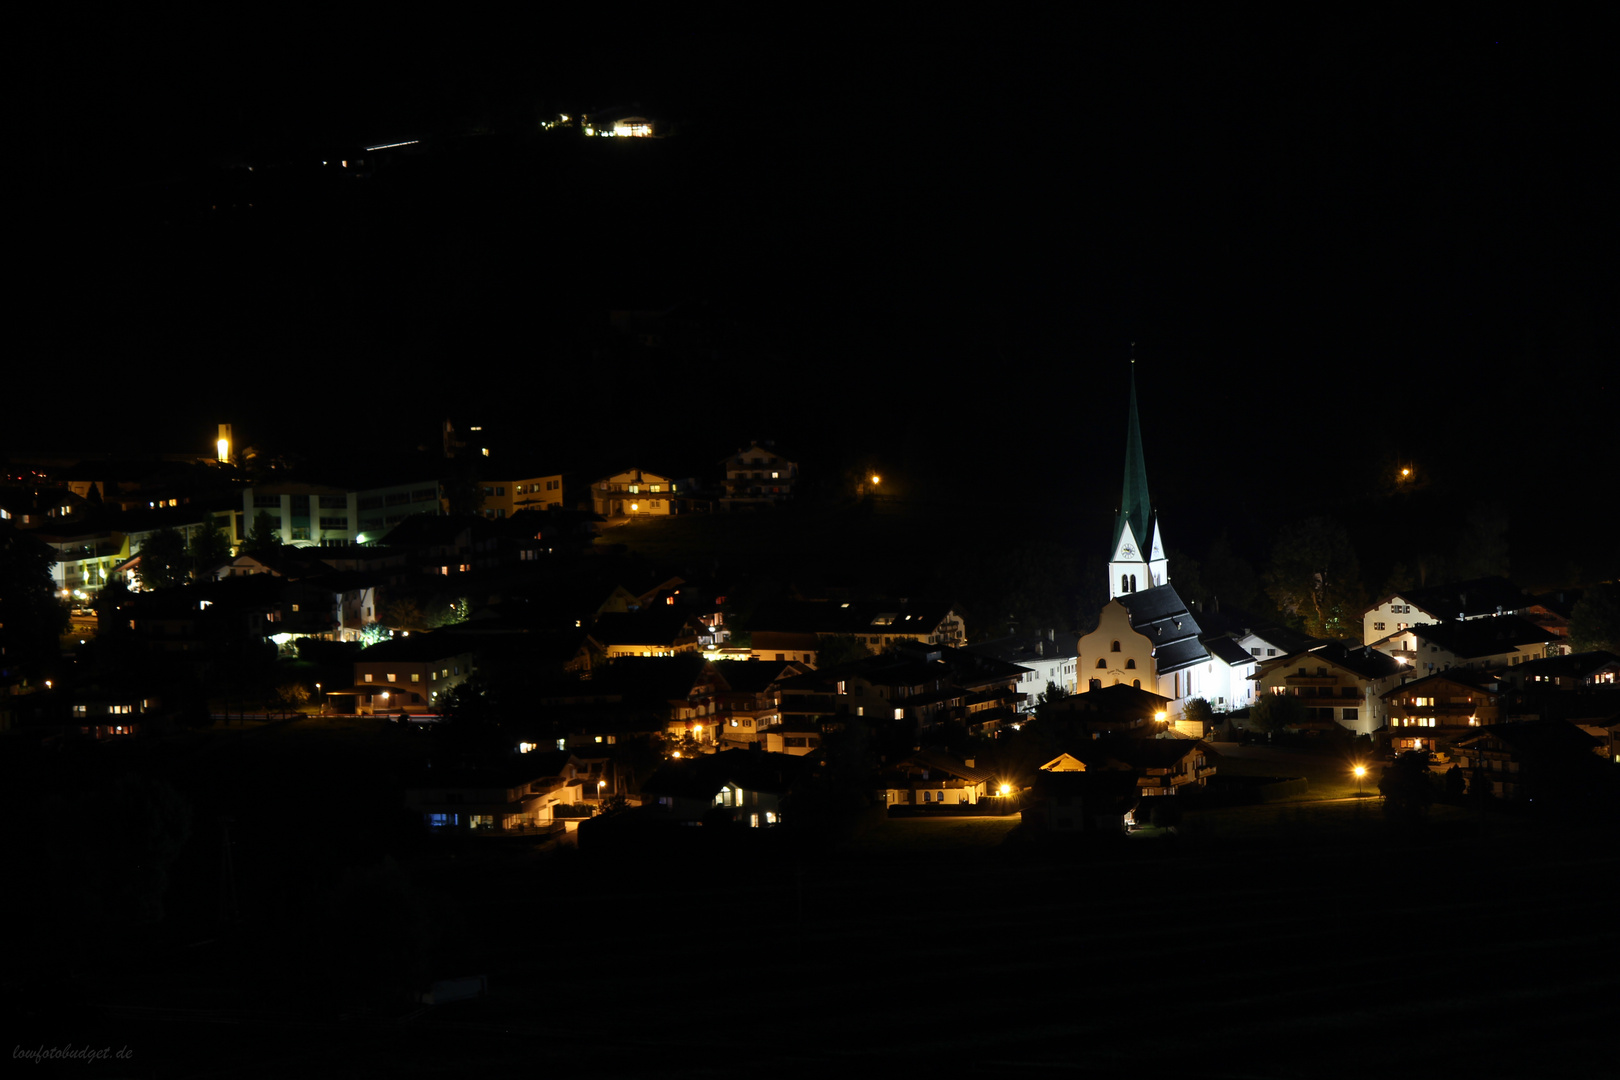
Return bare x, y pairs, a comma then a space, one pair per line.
1548, 759
757, 476
1336, 683
1432, 712
634, 493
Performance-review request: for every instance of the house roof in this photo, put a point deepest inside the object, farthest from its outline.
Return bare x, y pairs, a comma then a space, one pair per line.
1362, 661
1466, 678
702, 777
1472, 598
1574, 666
1029, 648
933, 760
1162, 617
1228, 651
1482, 637
413, 647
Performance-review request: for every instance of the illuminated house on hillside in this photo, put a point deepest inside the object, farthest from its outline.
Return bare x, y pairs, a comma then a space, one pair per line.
757, 476
306, 514
633, 493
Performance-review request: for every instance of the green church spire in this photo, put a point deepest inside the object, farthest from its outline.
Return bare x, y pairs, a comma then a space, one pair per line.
1134, 505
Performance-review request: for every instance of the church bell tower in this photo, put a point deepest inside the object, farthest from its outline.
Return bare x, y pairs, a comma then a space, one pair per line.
1138, 560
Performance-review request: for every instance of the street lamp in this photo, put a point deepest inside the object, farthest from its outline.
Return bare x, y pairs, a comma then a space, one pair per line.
1361, 770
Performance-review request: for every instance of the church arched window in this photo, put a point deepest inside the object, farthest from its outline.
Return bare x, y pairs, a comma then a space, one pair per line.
1115, 648
1124, 583
1101, 662
1130, 665
1133, 583
1137, 683
1096, 684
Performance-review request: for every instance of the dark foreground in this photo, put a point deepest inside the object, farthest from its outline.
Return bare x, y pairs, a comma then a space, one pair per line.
1373, 953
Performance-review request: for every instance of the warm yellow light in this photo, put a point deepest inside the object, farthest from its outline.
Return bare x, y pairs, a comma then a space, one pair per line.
224, 449
1361, 770
876, 478
1006, 789
634, 507
1159, 716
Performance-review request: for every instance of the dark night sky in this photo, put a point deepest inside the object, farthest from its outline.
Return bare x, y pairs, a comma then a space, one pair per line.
1333, 244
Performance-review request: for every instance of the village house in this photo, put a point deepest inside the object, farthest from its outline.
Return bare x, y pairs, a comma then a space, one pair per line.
1336, 683
930, 780
1431, 712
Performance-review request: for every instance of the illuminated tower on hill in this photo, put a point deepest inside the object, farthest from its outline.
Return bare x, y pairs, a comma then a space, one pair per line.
1138, 560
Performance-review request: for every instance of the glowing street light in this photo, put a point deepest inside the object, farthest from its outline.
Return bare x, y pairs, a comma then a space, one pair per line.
1360, 770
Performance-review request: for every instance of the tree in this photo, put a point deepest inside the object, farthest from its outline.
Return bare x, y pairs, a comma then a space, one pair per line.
1595, 621
1482, 550
1199, 711
208, 548
163, 560
403, 613
840, 649
1228, 577
1316, 577
265, 536
292, 696
1405, 788
31, 616
1274, 712
1053, 692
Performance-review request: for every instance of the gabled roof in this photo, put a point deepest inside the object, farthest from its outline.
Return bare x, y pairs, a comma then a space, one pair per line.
1029, 648
1473, 598
414, 647
1482, 637
1363, 661
702, 777
937, 762
1575, 666
1162, 617
754, 676
1465, 678
1228, 651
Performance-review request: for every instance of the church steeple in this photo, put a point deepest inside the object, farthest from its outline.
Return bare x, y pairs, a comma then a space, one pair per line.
1138, 560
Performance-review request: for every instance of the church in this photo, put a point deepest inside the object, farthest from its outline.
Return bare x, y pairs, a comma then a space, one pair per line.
1146, 637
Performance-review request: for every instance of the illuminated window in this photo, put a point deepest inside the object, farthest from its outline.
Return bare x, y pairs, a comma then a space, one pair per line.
368, 676
415, 677
390, 676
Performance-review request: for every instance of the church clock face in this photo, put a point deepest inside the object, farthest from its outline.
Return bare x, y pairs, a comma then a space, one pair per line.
1130, 552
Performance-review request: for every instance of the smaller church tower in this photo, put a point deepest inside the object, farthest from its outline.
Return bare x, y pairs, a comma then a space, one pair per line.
1138, 561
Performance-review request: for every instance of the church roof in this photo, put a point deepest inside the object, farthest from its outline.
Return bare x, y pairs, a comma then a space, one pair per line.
1135, 507
1161, 615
